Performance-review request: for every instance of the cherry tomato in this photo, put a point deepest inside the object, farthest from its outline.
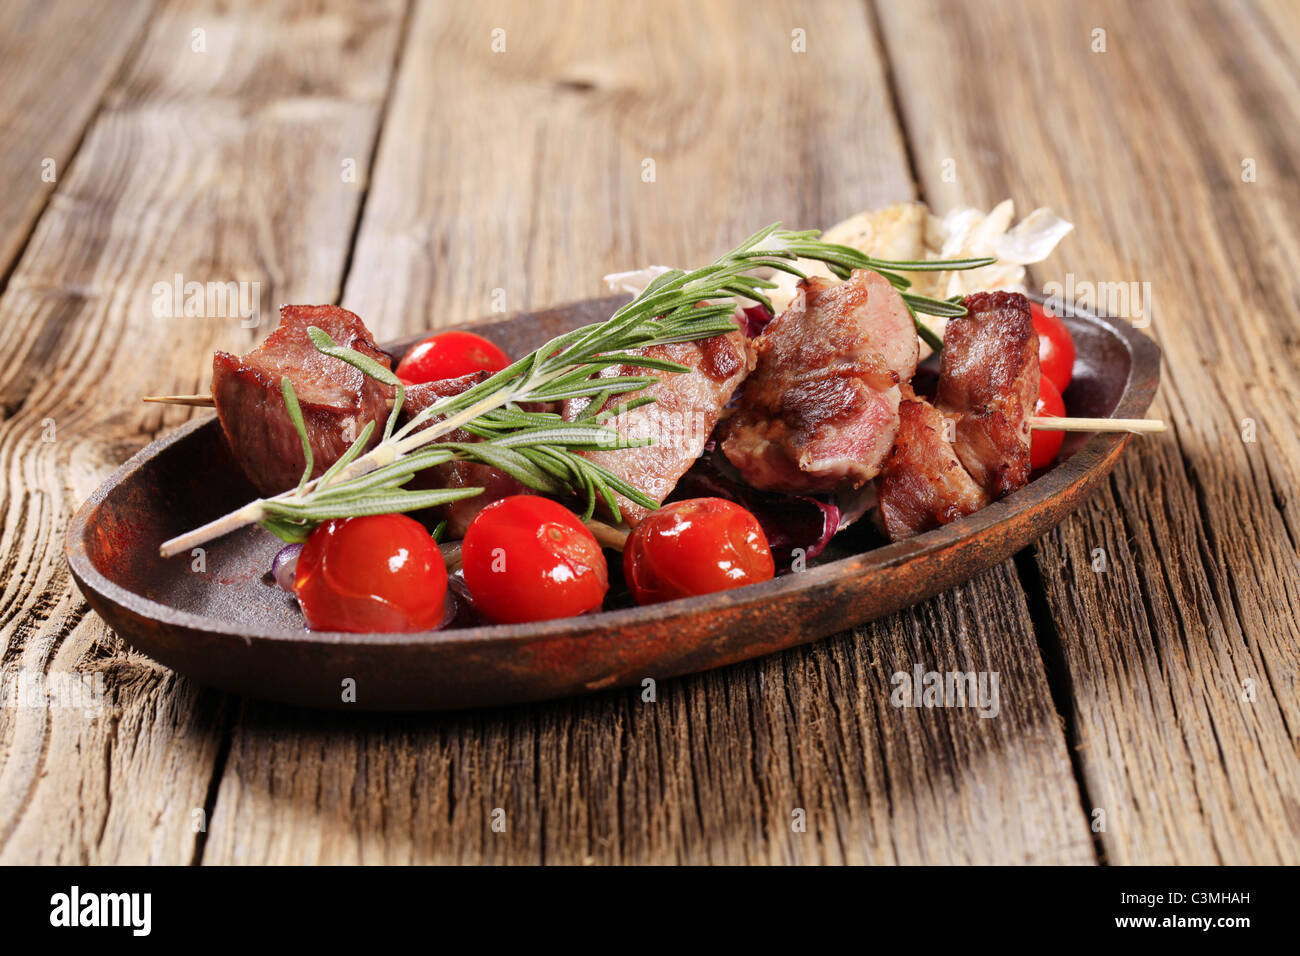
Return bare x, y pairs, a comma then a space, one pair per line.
375, 573
449, 355
696, 546
1055, 347
1045, 445
531, 559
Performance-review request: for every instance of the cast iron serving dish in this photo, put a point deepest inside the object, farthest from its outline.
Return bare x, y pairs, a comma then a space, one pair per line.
229, 627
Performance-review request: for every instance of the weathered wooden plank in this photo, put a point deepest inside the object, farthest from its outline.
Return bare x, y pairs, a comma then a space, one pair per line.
712, 771
1174, 150
218, 156
521, 171
56, 59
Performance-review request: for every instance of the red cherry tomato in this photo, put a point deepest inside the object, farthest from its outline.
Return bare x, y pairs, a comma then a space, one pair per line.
531, 559
696, 546
376, 573
1045, 445
449, 355
1055, 347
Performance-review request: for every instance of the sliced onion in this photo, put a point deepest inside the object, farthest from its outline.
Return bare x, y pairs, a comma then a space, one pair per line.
460, 603
451, 605
635, 281
285, 565
754, 319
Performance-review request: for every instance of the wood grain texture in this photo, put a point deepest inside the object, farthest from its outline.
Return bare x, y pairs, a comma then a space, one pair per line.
510, 179
1196, 613
222, 164
56, 59
712, 771
522, 171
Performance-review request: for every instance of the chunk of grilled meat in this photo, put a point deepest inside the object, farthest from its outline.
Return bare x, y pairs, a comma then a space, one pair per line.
686, 409
821, 408
458, 474
988, 382
972, 446
337, 400
923, 483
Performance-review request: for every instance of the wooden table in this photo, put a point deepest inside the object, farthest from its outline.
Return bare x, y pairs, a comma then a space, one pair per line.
422, 168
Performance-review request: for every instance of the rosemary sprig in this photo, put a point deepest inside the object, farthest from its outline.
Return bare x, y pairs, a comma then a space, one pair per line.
295, 416
539, 449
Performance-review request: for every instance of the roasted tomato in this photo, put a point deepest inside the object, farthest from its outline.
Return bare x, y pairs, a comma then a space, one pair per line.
531, 559
696, 546
446, 355
375, 573
1055, 347
1045, 445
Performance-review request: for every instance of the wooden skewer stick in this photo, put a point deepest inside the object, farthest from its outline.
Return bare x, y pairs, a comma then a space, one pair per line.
1049, 423
606, 535
1038, 422
199, 401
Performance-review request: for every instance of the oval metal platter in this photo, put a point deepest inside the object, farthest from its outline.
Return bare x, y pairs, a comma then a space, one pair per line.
228, 626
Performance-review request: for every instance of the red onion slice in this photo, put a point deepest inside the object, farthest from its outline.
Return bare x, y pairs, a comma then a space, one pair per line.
285, 565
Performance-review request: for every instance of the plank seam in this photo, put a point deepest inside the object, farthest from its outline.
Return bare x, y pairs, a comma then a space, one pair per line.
1057, 674
891, 89
214, 781
399, 59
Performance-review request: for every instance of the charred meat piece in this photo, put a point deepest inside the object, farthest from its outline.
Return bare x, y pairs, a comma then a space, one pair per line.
337, 400
923, 483
419, 397
458, 474
988, 382
821, 408
972, 445
680, 420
